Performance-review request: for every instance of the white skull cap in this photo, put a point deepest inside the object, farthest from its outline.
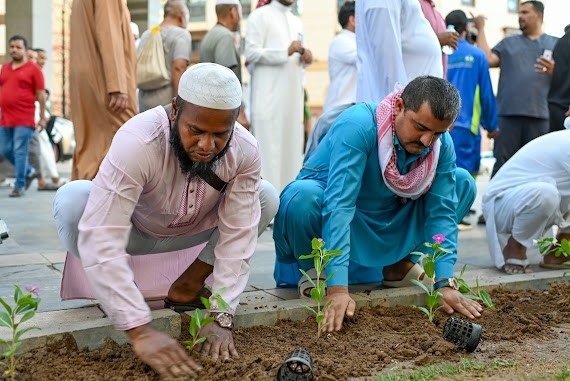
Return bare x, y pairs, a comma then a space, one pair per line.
210, 85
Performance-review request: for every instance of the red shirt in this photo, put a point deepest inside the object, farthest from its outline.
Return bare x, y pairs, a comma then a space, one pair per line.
19, 94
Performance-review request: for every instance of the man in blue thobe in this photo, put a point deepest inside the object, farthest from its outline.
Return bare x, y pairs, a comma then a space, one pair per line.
375, 204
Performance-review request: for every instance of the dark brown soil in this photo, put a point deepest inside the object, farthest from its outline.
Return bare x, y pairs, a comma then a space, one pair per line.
529, 327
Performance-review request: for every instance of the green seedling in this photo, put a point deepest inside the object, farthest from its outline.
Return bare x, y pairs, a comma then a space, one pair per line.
477, 294
199, 319
550, 245
321, 259
433, 297
26, 305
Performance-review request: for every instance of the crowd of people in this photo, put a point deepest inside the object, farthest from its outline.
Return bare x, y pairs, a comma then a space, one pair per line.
193, 162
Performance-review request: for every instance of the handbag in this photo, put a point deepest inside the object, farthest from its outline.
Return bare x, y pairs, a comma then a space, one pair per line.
152, 72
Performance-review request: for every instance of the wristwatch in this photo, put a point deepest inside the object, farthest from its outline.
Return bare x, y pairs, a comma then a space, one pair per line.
448, 282
224, 319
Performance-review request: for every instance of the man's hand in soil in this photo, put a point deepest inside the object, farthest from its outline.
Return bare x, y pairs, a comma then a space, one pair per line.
161, 352
341, 305
454, 301
219, 342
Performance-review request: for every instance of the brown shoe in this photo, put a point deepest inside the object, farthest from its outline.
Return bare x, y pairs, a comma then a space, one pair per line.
17, 192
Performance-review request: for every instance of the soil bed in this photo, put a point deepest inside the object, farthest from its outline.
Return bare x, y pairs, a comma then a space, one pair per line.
529, 329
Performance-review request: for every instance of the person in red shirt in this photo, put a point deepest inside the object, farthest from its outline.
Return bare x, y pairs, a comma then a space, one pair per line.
21, 83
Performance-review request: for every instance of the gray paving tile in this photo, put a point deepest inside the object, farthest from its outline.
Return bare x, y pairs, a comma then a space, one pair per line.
257, 297
7, 260
262, 281
55, 257
285, 293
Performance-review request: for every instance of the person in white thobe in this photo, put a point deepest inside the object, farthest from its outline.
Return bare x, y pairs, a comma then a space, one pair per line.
395, 44
527, 196
342, 61
274, 49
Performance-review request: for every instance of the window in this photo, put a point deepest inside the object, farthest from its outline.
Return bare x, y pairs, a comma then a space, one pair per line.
513, 6
468, 2
197, 10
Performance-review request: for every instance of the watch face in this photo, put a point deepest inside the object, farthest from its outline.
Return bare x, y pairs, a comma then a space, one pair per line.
453, 283
224, 320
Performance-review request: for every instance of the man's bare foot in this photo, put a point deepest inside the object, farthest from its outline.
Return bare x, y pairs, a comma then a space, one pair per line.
398, 270
188, 286
516, 261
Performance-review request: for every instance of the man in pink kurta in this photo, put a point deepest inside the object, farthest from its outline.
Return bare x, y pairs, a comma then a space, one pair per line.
154, 193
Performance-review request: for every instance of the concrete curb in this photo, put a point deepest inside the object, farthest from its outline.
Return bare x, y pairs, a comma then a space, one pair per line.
90, 328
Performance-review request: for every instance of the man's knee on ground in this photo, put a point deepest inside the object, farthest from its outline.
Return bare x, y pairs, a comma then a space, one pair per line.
465, 184
69, 204
269, 201
466, 190
303, 200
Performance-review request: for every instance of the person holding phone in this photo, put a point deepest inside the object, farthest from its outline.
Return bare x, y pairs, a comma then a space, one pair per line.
524, 80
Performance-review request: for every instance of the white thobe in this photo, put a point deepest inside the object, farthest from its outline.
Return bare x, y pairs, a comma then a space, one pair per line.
342, 70
529, 194
395, 45
276, 91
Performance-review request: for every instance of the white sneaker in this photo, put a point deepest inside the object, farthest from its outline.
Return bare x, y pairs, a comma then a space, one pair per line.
464, 225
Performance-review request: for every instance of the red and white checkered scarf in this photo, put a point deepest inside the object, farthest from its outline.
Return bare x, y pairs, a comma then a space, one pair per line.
419, 179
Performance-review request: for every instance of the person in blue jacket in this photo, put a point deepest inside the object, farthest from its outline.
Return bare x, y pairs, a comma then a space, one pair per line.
381, 182
468, 70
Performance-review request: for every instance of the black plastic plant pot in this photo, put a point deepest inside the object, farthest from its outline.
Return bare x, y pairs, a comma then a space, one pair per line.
297, 367
464, 334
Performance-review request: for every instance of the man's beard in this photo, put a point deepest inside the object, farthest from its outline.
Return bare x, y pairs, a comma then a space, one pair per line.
187, 165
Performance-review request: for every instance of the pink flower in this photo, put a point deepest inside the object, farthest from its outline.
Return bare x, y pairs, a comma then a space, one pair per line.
34, 289
438, 238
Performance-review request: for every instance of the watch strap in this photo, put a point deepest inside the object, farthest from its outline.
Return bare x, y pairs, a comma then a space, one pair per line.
447, 282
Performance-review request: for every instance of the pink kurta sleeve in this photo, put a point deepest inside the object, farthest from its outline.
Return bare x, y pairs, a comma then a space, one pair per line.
105, 227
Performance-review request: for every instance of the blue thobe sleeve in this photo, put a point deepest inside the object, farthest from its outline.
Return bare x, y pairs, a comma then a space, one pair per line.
441, 208
351, 141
